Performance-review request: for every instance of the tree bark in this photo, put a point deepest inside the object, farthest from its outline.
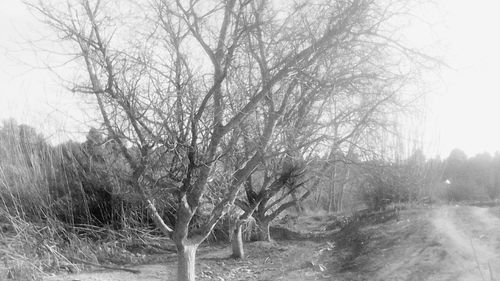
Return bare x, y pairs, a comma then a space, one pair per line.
263, 233
331, 195
186, 257
237, 243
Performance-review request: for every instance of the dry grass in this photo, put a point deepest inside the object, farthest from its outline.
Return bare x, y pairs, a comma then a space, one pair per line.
34, 191
29, 251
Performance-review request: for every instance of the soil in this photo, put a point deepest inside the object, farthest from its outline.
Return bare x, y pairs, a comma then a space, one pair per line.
441, 243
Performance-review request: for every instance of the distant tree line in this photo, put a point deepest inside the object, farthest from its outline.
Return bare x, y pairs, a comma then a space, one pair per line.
355, 182
378, 183
472, 178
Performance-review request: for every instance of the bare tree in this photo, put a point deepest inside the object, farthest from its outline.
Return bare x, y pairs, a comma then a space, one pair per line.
167, 79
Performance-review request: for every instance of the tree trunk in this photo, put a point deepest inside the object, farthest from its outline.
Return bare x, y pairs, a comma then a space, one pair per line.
263, 233
186, 257
340, 196
331, 195
237, 243
330, 202
319, 197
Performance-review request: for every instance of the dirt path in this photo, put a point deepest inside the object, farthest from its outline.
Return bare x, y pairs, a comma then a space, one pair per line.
449, 243
471, 236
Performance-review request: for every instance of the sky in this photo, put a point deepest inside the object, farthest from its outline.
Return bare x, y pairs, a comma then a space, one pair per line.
31, 93
463, 100
465, 108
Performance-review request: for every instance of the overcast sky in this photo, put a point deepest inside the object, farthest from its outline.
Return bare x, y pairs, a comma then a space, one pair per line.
464, 103
30, 93
466, 109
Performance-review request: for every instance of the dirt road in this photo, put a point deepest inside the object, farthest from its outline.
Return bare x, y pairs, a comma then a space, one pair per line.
451, 243
443, 243
472, 237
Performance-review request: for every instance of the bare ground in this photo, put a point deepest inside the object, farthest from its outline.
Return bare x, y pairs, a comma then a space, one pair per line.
452, 243
444, 243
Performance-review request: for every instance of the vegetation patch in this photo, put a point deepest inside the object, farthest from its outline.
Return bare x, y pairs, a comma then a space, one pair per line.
29, 251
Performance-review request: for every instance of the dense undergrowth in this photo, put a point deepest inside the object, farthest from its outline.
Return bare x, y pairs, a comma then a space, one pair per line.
68, 201
30, 250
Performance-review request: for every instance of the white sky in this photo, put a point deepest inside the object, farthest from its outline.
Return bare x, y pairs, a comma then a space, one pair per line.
466, 109
464, 105
32, 94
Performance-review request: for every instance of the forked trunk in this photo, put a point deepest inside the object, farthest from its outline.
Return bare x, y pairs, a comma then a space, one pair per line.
186, 257
263, 230
237, 243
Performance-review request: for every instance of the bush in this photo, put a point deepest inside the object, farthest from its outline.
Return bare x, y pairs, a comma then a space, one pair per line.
385, 185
